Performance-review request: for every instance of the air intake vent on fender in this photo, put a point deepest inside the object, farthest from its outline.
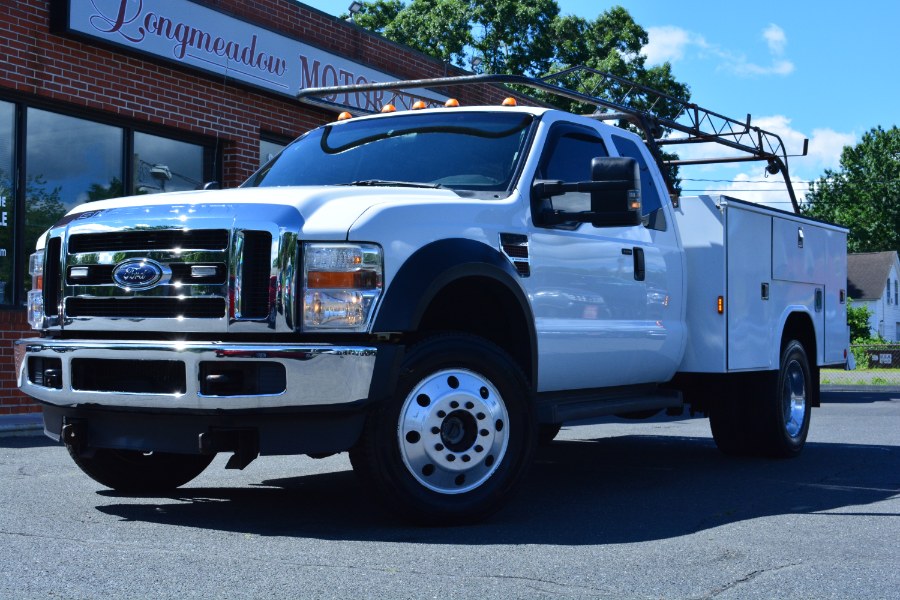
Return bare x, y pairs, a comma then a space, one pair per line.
515, 247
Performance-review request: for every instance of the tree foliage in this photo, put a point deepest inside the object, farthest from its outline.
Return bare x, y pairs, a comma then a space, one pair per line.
858, 320
530, 37
864, 193
525, 37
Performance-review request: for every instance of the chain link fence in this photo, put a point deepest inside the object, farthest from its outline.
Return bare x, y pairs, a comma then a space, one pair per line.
877, 365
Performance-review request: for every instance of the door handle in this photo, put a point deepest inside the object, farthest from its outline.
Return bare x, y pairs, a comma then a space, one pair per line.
639, 268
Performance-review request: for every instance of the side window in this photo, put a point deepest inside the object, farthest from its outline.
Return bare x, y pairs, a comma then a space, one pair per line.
650, 195
567, 158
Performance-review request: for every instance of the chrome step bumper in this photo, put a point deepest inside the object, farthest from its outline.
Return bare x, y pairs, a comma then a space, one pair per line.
313, 374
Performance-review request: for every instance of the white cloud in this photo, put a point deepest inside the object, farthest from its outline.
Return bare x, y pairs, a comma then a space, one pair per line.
775, 38
741, 67
669, 43
749, 181
752, 187
666, 44
826, 145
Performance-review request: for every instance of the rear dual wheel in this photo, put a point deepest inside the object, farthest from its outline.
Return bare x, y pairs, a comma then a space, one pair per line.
769, 415
457, 437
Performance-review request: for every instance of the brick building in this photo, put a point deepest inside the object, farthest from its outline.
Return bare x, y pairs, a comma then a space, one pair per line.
107, 98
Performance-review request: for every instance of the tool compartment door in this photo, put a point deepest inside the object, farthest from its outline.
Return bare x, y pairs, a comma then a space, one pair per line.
748, 312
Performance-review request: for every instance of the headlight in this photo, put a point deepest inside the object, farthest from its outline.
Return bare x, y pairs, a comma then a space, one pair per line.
341, 285
35, 299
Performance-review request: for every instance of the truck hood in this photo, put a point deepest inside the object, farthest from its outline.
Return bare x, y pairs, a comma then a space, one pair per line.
327, 212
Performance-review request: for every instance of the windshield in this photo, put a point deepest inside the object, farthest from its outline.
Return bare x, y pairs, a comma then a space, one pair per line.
462, 151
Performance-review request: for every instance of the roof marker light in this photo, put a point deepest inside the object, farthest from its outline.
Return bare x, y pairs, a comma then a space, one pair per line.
451, 103
419, 104
344, 116
388, 108
509, 101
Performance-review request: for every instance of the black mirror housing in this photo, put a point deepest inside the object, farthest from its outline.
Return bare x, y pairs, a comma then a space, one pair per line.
618, 200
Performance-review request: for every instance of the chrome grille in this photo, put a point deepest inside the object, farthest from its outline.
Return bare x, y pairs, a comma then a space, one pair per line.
147, 308
224, 268
149, 240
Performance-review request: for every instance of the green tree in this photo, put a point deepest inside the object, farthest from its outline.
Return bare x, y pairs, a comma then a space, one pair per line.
858, 320
530, 37
98, 191
864, 193
375, 16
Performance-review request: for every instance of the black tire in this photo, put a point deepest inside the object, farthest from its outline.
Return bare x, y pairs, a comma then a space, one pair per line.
547, 432
767, 414
786, 405
135, 472
456, 438
731, 421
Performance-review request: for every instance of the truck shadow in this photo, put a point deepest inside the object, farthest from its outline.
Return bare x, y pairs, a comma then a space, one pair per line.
606, 491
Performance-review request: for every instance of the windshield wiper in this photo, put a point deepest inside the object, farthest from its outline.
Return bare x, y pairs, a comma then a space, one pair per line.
388, 183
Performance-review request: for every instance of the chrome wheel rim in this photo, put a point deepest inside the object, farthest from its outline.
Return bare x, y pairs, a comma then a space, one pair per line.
453, 431
793, 399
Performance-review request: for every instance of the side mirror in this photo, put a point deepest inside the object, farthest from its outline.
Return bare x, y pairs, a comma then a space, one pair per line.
615, 194
212, 185
618, 200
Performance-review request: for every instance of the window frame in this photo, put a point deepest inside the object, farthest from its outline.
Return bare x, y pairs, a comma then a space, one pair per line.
212, 168
558, 131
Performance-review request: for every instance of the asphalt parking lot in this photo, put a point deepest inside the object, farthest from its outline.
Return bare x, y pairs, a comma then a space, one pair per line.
611, 510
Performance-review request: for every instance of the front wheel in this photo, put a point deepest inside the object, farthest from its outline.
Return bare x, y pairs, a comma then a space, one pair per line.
456, 438
136, 472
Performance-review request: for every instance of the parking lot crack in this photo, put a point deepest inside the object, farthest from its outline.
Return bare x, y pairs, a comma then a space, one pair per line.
745, 579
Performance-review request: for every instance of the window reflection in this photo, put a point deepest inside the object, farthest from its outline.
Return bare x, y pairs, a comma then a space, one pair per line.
269, 150
7, 200
166, 165
68, 161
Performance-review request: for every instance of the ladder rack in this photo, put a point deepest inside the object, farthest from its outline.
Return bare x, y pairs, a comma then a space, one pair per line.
634, 103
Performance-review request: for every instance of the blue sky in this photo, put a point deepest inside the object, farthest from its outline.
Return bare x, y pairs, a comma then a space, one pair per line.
822, 70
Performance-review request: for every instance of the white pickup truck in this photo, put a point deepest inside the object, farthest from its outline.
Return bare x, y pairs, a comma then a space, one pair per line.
433, 291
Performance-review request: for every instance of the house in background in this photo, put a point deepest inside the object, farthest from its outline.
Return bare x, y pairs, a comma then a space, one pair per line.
872, 281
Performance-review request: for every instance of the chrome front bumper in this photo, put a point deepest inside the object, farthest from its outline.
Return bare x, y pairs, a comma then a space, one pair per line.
317, 375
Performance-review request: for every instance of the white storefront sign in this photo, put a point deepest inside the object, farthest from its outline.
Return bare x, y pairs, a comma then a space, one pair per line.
189, 34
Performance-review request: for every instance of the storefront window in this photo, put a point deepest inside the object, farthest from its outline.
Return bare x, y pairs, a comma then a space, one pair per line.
166, 165
68, 161
269, 150
7, 200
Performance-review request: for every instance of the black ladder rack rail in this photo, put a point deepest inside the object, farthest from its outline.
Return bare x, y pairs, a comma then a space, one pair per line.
698, 124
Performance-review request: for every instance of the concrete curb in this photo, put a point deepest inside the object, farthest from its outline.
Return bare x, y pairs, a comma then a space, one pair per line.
884, 389
27, 424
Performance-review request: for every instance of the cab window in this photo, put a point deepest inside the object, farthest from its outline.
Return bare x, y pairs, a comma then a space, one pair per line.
567, 157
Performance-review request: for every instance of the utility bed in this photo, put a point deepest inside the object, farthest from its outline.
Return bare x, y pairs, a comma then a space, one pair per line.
764, 264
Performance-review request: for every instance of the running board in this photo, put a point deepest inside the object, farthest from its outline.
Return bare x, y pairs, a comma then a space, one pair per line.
560, 407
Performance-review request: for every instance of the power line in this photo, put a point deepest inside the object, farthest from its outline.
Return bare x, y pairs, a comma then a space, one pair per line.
795, 181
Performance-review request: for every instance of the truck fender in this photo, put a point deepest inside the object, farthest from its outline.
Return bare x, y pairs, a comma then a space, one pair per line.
794, 311
434, 266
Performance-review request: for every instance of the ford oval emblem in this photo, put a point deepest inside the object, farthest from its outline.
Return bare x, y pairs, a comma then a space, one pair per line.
137, 273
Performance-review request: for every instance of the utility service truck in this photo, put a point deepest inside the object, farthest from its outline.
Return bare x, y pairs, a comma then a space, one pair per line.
435, 291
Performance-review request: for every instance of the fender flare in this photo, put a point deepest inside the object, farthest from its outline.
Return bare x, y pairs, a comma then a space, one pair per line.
434, 266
